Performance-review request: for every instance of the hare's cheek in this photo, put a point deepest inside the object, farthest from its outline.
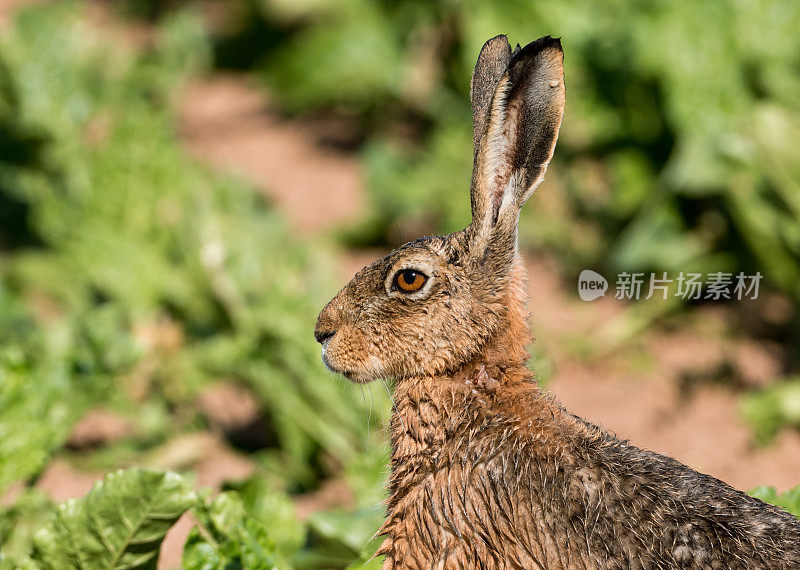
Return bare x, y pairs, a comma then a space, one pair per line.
369, 369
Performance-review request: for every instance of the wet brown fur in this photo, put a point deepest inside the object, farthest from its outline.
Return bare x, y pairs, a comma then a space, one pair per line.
487, 470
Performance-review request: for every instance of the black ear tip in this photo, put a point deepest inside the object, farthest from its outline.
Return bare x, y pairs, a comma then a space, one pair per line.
547, 41
555, 41
537, 46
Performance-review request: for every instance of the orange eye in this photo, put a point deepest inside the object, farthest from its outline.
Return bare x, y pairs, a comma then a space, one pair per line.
409, 280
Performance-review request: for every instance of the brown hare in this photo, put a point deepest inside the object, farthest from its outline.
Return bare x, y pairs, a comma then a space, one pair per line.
487, 470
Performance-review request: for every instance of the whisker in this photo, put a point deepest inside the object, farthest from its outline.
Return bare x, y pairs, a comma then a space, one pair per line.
394, 406
380, 407
369, 415
371, 402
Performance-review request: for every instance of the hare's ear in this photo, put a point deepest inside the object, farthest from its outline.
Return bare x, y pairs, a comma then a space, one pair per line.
492, 64
515, 134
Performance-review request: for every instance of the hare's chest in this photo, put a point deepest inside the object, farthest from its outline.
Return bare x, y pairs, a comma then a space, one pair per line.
462, 513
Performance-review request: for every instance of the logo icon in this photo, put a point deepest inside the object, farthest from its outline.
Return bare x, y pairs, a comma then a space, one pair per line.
591, 285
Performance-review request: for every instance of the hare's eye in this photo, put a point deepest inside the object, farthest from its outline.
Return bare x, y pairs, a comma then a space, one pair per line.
409, 280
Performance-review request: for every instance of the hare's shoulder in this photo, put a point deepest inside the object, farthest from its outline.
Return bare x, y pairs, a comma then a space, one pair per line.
706, 512
615, 501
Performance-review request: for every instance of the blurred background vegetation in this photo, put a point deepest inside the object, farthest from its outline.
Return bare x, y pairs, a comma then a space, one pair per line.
134, 278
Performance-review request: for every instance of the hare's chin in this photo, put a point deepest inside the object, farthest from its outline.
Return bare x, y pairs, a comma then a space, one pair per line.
364, 375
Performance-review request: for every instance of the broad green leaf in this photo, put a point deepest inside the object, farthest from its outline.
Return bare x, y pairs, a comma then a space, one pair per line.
119, 525
275, 510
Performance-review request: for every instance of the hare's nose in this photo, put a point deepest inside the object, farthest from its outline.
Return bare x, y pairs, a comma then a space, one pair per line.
322, 336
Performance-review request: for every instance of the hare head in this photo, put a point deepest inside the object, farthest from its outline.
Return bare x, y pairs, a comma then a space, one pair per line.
435, 304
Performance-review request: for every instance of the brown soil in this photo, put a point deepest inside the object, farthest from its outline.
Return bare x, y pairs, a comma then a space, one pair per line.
229, 123
61, 481
100, 427
332, 494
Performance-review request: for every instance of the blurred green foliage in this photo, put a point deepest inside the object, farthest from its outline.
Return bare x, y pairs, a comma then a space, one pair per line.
772, 408
133, 277
138, 243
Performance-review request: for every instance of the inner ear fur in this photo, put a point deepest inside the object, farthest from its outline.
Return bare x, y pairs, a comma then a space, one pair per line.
516, 132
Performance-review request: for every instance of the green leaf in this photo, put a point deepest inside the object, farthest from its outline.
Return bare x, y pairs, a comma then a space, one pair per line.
228, 538
353, 531
119, 525
275, 510
789, 500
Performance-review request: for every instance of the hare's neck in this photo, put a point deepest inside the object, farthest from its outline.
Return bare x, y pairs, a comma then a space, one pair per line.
508, 346
446, 431
436, 417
